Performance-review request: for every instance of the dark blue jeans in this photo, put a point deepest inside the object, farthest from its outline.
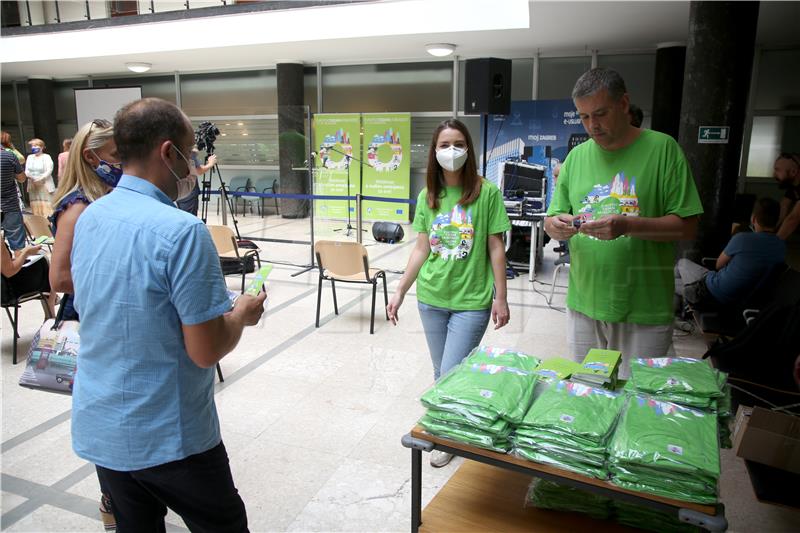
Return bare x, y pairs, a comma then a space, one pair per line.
14, 228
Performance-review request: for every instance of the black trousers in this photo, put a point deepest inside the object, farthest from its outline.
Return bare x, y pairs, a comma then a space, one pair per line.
199, 488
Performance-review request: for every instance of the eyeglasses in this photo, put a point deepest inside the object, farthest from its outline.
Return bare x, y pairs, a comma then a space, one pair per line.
100, 123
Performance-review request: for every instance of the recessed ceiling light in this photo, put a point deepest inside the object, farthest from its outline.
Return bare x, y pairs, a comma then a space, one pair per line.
138, 67
240, 123
440, 49
244, 134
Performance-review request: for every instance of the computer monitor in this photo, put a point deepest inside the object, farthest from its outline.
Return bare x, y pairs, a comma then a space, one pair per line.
523, 177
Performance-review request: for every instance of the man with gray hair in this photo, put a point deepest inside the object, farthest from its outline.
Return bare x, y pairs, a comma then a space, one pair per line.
621, 200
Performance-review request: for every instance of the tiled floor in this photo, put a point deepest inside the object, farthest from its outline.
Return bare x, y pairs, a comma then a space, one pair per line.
312, 418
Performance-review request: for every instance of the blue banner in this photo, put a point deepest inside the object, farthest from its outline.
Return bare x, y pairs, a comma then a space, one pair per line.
536, 131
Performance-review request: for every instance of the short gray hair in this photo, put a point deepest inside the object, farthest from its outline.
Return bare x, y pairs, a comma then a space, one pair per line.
597, 79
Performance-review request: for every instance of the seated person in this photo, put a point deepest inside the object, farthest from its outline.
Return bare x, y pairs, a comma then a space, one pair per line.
19, 280
787, 174
743, 263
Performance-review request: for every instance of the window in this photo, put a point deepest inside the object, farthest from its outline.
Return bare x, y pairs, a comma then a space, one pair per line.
557, 75
230, 93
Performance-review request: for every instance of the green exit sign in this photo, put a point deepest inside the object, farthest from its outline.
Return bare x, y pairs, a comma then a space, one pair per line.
713, 134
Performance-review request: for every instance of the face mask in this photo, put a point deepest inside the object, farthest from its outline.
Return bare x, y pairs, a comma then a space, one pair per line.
451, 158
110, 173
35, 149
188, 166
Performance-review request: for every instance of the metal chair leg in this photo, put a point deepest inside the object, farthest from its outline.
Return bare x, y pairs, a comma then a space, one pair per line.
16, 334
553, 285
319, 298
219, 373
372, 313
385, 298
335, 304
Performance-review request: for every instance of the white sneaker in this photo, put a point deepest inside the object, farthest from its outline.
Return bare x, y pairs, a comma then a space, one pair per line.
440, 458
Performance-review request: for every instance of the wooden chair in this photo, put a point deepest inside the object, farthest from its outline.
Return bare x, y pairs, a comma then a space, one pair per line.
37, 226
229, 252
347, 262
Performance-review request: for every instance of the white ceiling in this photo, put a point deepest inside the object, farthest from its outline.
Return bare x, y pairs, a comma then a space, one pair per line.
225, 42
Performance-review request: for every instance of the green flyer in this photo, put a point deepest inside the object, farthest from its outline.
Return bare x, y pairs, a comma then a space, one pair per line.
387, 168
336, 136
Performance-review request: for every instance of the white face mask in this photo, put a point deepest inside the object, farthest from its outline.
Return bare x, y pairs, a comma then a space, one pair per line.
451, 158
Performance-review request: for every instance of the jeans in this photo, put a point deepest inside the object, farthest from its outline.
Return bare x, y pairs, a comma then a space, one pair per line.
451, 335
15, 229
199, 488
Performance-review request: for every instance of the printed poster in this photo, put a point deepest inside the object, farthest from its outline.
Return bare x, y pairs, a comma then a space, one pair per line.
387, 169
541, 132
337, 139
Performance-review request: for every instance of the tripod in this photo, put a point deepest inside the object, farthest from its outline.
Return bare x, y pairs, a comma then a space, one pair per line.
223, 189
348, 229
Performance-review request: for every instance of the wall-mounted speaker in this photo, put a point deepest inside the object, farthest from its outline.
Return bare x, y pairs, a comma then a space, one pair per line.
488, 86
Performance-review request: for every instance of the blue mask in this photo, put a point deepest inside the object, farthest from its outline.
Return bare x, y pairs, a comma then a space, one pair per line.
110, 173
35, 149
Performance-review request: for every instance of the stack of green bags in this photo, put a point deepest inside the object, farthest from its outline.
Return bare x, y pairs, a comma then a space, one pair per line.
569, 426
550, 495
686, 381
666, 449
480, 400
557, 497
683, 380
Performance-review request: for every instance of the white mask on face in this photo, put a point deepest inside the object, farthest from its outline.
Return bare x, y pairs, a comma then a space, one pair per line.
451, 158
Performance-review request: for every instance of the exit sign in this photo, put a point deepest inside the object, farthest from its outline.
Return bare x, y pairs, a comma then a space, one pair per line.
713, 134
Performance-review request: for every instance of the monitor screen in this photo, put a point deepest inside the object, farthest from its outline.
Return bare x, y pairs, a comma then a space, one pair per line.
523, 177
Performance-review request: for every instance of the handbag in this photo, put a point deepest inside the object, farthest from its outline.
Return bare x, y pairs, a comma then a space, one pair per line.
53, 356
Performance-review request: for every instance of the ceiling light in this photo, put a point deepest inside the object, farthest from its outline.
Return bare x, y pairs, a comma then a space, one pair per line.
440, 49
138, 67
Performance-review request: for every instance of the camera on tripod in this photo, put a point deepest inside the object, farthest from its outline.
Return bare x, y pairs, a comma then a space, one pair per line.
205, 136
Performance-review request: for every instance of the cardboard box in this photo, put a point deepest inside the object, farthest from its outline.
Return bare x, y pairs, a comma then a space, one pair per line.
740, 425
769, 437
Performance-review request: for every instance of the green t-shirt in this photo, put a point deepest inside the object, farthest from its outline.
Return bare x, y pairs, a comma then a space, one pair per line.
458, 272
626, 279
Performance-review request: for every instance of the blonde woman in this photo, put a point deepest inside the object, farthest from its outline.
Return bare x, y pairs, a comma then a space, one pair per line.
39, 170
92, 171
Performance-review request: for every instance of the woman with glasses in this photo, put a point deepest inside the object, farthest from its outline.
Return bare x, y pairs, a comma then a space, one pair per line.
93, 170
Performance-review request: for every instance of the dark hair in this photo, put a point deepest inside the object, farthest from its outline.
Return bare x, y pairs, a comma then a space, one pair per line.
434, 180
636, 114
144, 124
597, 79
767, 212
791, 157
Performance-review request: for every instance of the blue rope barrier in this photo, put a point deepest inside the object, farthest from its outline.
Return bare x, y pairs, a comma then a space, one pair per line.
314, 197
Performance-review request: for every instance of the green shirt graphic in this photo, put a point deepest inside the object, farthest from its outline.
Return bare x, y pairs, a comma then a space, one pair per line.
458, 273
626, 279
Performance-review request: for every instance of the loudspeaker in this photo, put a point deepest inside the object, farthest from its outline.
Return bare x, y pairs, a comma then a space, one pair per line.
387, 232
488, 86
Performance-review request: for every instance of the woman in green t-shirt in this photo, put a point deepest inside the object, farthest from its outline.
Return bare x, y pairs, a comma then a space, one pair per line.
459, 256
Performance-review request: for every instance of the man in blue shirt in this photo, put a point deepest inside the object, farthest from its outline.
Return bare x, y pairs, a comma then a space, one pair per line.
155, 320
744, 262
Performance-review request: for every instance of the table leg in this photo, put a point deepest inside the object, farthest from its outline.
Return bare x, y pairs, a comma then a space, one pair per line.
416, 489
534, 250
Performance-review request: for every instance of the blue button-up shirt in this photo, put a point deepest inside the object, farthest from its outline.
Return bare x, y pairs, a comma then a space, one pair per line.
141, 268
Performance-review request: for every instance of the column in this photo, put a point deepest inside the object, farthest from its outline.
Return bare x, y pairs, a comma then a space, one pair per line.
719, 57
43, 109
291, 139
670, 62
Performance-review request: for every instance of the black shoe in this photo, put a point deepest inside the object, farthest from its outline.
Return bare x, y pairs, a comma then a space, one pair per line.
559, 249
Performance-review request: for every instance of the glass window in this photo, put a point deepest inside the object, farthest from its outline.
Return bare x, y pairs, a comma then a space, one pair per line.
250, 142
521, 79
778, 80
765, 145
310, 88
638, 71
386, 88
557, 75
252, 92
152, 86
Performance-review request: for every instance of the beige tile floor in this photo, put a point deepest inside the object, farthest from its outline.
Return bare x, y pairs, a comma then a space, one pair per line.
312, 418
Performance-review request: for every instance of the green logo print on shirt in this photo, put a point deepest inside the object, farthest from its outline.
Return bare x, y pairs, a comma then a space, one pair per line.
618, 197
452, 233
